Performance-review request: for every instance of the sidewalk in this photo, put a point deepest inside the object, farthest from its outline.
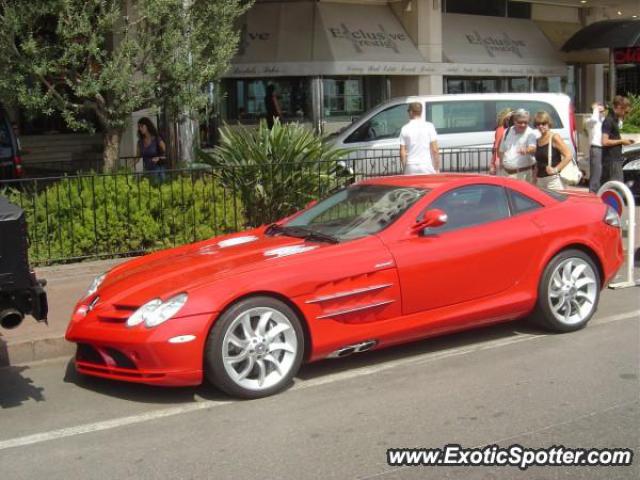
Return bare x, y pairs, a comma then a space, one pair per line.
33, 341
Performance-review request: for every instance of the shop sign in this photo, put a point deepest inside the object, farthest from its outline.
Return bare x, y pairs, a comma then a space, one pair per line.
365, 39
627, 55
497, 44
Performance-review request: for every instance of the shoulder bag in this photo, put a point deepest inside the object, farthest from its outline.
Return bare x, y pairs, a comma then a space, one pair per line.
570, 174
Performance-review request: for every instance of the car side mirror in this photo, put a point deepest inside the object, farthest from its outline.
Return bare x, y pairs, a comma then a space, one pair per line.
432, 218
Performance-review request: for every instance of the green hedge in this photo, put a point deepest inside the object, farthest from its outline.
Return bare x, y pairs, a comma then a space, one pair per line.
104, 215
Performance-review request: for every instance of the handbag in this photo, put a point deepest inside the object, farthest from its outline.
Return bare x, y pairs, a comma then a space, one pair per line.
570, 174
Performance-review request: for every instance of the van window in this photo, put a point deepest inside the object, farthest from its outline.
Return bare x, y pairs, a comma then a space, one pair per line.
532, 107
386, 124
461, 116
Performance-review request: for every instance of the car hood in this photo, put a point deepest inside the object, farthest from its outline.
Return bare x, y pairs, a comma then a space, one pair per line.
180, 269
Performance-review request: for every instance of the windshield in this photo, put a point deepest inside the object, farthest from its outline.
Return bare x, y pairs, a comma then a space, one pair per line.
358, 211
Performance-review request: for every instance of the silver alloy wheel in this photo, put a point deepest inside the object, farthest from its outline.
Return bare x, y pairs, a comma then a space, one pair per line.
259, 348
572, 291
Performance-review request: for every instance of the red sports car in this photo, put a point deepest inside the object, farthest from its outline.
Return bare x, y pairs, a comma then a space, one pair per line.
382, 262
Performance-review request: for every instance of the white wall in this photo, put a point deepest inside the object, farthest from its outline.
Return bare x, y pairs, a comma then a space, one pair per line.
552, 13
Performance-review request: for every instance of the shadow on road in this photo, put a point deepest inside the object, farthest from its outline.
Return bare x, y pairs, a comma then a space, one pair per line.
15, 387
467, 339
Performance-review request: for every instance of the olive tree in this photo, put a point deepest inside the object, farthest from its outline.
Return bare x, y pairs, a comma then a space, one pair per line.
105, 59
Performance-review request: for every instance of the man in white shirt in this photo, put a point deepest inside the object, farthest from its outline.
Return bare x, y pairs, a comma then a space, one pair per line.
518, 147
594, 127
419, 153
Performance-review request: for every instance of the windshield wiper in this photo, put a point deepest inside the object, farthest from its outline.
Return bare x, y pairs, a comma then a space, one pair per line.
273, 229
301, 232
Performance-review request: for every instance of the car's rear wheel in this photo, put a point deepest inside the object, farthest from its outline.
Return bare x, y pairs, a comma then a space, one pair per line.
568, 292
255, 348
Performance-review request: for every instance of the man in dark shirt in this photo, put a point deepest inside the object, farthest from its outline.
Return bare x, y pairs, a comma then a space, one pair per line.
612, 142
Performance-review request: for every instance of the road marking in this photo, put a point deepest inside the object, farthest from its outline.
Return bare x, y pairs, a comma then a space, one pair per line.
300, 385
109, 424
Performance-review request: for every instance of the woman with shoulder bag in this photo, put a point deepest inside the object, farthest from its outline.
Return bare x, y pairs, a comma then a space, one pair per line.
552, 154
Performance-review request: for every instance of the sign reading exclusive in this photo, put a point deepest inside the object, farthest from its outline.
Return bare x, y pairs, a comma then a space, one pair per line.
627, 55
362, 39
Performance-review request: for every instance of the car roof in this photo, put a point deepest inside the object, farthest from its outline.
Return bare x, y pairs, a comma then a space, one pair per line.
431, 181
440, 182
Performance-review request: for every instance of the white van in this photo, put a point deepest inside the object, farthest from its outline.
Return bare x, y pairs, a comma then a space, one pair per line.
465, 121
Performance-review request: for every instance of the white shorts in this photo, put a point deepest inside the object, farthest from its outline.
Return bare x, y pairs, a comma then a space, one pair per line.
418, 169
552, 182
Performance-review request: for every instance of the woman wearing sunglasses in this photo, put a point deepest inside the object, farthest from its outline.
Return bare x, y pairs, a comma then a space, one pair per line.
552, 154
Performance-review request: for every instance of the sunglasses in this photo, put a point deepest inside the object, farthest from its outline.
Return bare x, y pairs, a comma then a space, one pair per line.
539, 124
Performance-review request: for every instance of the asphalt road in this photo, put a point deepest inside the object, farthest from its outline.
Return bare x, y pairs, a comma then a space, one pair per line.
504, 385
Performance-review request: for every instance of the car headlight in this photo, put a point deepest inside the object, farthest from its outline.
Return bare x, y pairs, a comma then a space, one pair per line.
155, 312
93, 288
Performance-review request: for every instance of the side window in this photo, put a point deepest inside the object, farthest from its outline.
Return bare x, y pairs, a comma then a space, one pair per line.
532, 107
521, 203
460, 116
472, 205
386, 124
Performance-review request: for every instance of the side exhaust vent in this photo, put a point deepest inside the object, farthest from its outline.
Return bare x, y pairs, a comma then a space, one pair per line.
351, 349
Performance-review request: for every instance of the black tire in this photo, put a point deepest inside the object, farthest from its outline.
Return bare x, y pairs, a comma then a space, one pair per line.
229, 335
565, 303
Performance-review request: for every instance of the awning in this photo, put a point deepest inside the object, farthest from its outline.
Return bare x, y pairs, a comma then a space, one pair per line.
311, 38
559, 32
483, 45
305, 38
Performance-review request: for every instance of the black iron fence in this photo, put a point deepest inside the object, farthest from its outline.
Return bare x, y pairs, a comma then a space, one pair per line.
104, 215
381, 162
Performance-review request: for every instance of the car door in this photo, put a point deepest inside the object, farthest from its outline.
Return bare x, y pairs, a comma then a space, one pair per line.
481, 251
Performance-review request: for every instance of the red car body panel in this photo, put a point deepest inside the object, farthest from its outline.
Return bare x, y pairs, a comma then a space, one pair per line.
393, 287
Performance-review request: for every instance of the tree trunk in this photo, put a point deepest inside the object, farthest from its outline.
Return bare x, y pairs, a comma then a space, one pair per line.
111, 150
188, 137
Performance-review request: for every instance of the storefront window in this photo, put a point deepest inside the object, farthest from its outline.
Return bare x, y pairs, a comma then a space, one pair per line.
518, 84
343, 97
493, 8
485, 85
476, 7
627, 79
547, 84
518, 9
246, 98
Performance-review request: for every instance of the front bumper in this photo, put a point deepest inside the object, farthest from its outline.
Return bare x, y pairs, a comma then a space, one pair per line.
140, 354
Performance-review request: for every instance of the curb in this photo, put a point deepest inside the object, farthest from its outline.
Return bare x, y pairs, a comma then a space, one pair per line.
29, 351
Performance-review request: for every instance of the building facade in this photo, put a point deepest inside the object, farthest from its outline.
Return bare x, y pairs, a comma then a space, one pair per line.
330, 61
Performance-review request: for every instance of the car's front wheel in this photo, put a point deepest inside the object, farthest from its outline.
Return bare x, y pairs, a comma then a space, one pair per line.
568, 292
255, 348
